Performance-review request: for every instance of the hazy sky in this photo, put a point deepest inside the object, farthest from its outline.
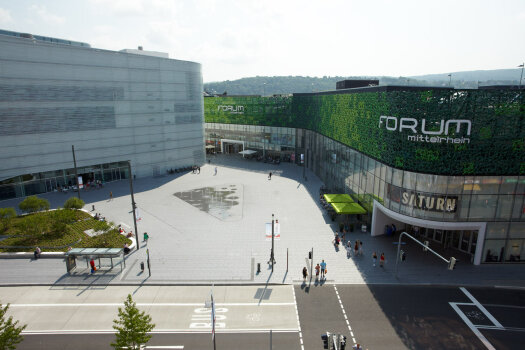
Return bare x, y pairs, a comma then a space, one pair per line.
234, 39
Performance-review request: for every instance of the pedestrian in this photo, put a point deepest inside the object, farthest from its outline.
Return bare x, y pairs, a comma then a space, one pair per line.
305, 273
382, 260
110, 195
343, 236
374, 258
146, 237
317, 270
37, 253
199, 169
92, 264
394, 229
360, 248
348, 249
270, 176
357, 347
323, 269
356, 248
215, 171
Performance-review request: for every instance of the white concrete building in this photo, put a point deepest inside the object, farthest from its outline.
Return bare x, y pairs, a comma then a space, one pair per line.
112, 106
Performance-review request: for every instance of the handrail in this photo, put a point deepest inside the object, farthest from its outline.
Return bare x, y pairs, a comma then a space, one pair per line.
418, 242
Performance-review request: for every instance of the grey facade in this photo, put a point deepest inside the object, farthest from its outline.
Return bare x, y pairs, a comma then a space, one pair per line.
112, 106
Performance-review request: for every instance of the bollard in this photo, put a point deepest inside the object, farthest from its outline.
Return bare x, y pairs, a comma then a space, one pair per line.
258, 268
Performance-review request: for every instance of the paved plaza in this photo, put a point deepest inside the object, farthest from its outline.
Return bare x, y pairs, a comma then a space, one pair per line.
210, 228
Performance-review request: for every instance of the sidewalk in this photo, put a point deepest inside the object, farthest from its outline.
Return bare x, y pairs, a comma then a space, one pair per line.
190, 246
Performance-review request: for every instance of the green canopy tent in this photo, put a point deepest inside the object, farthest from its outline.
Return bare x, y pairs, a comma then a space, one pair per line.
338, 198
348, 208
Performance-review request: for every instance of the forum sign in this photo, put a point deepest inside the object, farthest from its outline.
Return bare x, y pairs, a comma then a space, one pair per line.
419, 131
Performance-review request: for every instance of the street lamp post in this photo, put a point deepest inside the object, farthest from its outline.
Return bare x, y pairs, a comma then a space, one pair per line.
450, 80
272, 256
76, 172
521, 76
264, 89
133, 204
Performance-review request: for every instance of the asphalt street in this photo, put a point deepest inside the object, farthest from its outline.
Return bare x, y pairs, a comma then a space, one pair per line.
375, 316
413, 317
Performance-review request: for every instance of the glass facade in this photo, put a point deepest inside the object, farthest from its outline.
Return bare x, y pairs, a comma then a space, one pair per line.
496, 200
49, 181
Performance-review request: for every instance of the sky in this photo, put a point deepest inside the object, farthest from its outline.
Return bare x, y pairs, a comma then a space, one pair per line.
244, 38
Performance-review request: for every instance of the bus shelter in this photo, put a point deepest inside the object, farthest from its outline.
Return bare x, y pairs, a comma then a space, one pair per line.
93, 253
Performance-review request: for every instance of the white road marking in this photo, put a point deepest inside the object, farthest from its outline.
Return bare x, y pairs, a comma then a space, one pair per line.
298, 322
344, 314
470, 325
148, 304
159, 331
481, 307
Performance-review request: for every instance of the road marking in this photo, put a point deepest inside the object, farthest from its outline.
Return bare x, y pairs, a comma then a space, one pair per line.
298, 322
203, 317
470, 325
159, 331
344, 314
481, 307
149, 304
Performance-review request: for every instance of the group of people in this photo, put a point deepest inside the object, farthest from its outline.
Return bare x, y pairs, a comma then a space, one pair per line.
357, 247
196, 169
99, 217
320, 271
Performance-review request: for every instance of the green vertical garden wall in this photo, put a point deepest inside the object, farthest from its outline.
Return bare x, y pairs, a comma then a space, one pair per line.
495, 146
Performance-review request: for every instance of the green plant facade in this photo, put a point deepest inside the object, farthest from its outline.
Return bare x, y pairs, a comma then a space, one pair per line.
494, 146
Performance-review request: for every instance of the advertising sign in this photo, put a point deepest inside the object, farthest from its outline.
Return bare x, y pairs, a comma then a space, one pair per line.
423, 201
302, 158
80, 183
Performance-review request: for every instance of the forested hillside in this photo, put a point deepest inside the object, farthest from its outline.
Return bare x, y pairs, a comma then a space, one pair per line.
289, 84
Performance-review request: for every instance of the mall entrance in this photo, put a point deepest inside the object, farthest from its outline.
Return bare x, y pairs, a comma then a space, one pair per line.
231, 146
465, 237
462, 240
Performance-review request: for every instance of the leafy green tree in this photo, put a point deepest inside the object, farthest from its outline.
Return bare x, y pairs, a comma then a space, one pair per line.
9, 330
132, 326
33, 204
33, 225
74, 203
6, 215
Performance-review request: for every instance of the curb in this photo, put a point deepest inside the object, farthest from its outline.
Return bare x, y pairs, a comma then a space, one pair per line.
26, 255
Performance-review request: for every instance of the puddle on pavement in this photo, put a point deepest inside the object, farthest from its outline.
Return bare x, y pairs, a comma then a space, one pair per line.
223, 201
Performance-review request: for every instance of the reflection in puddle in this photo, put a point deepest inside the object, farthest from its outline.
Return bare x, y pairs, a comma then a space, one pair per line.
223, 201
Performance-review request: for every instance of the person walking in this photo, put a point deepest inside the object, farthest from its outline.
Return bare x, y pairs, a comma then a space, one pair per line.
305, 274
374, 258
270, 176
323, 269
110, 195
215, 171
199, 169
356, 248
92, 264
360, 248
37, 253
382, 260
317, 270
348, 249
146, 237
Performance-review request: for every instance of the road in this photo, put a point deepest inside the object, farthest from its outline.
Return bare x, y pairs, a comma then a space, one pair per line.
376, 316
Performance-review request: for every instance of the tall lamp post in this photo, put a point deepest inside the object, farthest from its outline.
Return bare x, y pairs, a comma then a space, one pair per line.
450, 80
76, 172
264, 89
133, 204
521, 76
272, 256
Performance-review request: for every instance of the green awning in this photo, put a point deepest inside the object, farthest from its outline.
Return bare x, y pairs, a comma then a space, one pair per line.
348, 208
338, 198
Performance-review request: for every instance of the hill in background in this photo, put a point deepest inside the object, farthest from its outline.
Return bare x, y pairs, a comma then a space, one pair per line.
289, 84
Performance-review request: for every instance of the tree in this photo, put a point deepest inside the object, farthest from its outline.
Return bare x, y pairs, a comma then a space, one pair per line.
33, 204
6, 214
132, 326
9, 330
74, 203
